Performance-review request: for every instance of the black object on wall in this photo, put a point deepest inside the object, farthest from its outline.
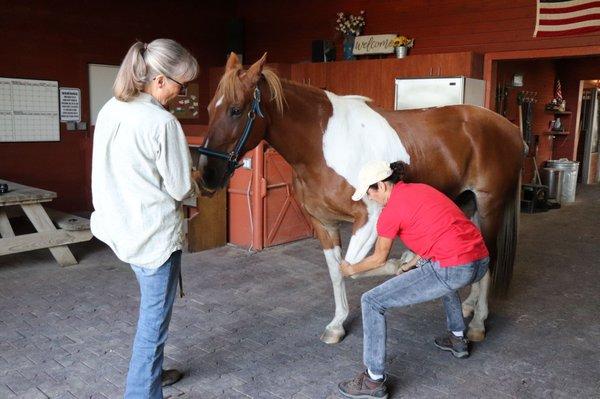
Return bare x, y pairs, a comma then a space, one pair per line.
235, 36
323, 51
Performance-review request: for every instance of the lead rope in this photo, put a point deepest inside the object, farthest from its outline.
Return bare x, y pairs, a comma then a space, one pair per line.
181, 294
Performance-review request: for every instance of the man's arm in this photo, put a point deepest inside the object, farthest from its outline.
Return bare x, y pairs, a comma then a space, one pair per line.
383, 247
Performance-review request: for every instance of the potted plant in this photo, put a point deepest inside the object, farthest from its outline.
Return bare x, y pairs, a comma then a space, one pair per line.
401, 45
349, 26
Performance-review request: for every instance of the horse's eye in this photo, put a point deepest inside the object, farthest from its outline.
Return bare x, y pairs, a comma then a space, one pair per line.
235, 112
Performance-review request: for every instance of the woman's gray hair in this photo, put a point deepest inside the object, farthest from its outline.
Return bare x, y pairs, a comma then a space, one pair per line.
143, 62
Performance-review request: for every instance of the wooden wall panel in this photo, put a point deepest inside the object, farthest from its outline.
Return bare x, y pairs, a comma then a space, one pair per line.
538, 76
56, 40
286, 28
362, 78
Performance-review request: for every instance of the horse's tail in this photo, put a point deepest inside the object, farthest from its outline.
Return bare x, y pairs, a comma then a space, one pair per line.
506, 245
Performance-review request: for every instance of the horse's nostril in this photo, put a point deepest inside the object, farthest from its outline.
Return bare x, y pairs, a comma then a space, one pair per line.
210, 178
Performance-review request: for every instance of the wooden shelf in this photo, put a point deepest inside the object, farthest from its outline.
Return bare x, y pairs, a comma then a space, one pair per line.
558, 112
557, 133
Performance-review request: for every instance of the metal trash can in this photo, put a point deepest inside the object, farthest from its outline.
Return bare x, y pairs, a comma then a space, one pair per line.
553, 178
569, 179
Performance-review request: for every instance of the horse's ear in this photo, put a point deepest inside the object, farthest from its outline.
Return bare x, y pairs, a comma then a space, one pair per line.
256, 69
232, 61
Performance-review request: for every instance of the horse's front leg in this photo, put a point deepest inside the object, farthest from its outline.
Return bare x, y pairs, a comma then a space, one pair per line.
392, 267
364, 234
334, 332
329, 237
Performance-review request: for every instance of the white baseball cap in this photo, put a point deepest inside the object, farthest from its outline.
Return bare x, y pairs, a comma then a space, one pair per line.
372, 172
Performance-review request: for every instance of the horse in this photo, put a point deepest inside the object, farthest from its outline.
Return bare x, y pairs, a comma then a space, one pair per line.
470, 153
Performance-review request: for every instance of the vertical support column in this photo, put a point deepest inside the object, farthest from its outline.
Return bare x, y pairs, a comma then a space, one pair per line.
258, 194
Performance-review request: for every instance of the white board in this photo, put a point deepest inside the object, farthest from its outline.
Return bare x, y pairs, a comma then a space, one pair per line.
70, 104
102, 78
28, 110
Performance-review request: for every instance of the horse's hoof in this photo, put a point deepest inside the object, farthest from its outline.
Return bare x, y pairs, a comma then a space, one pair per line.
467, 311
332, 336
475, 335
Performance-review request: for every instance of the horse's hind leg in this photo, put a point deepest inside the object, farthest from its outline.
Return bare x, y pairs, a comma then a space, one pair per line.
489, 216
468, 305
329, 236
467, 203
476, 330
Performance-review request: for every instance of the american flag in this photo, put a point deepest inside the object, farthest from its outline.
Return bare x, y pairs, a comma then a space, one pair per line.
566, 17
558, 90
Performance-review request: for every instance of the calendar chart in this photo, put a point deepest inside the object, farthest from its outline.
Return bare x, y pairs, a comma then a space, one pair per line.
28, 110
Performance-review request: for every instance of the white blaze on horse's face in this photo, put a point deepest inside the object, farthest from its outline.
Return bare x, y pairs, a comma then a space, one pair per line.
356, 134
219, 101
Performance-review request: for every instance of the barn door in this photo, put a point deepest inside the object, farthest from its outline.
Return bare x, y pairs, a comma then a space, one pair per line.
284, 220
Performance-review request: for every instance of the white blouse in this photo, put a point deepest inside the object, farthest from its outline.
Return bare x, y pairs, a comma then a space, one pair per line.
141, 171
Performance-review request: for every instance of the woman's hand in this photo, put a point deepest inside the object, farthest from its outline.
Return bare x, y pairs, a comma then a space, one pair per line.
346, 269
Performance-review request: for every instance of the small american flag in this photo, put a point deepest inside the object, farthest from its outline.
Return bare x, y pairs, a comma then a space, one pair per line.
558, 90
566, 17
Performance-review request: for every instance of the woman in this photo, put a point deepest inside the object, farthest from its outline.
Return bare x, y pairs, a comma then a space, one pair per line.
141, 171
452, 255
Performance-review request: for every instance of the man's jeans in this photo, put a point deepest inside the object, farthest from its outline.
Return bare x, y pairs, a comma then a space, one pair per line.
157, 289
427, 282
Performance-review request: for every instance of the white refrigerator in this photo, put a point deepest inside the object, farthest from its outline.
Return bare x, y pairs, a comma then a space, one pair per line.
436, 92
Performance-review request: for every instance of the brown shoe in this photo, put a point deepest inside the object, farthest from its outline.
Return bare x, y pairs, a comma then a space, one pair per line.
459, 346
170, 377
363, 387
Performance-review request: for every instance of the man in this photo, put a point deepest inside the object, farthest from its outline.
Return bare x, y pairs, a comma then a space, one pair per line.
452, 255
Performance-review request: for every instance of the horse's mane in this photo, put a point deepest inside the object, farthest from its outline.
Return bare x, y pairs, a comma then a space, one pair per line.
231, 88
357, 97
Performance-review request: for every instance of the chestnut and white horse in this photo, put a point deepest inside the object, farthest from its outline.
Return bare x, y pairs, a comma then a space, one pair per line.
470, 153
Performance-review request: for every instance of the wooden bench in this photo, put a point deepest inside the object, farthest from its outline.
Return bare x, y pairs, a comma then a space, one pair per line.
71, 228
68, 222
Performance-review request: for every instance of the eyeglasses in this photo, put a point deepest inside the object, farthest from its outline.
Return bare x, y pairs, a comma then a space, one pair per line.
182, 86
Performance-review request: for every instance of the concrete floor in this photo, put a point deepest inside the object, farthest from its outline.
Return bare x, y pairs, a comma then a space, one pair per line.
249, 324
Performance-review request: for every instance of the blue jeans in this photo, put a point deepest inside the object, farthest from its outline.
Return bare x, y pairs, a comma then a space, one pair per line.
157, 294
426, 282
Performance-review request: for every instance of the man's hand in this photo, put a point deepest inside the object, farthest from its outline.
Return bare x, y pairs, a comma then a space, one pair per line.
411, 264
346, 269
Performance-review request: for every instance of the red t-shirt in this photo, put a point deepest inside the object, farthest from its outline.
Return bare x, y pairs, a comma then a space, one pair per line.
431, 225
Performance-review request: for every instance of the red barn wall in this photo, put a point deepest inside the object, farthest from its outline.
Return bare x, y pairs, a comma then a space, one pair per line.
57, 40
286, 28
536, 77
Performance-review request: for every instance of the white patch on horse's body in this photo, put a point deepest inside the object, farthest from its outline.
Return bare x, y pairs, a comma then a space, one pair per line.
363, 239
219, 101
356, 134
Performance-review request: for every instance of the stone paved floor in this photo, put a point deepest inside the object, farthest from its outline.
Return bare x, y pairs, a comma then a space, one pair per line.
249, 324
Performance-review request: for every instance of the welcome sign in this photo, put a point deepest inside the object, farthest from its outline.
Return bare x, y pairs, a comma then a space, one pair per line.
374, 44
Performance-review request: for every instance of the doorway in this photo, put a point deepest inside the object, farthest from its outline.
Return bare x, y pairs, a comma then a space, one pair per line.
556, 133
587, 151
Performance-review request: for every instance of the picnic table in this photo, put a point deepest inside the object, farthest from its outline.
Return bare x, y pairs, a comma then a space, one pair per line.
55, 229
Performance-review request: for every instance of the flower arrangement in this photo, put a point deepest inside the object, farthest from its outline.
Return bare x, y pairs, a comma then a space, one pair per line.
403, 41
350, 24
